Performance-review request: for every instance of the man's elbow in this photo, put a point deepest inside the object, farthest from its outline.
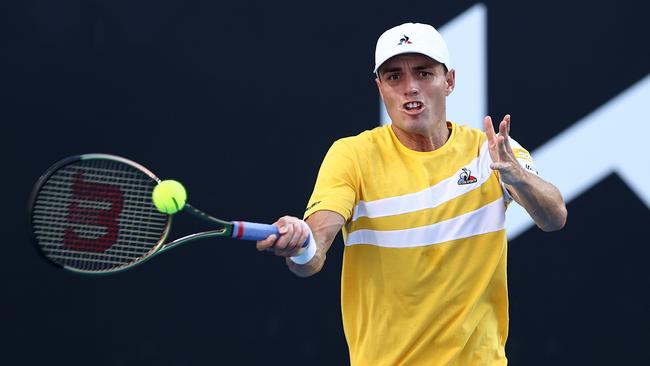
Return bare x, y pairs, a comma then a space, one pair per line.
305, 274
555, 222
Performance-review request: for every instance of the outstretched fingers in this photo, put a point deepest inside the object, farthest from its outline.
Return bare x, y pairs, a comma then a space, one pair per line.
504, 138
489, 129
491, 138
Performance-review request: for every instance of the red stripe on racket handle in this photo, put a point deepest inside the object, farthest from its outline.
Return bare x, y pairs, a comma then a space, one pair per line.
237, 234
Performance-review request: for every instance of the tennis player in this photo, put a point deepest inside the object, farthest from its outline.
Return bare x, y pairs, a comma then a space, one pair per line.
422, 206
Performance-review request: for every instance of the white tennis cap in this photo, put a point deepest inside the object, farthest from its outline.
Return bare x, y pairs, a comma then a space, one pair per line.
411, 38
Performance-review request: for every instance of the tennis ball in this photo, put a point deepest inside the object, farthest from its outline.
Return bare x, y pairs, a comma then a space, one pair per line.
169, 196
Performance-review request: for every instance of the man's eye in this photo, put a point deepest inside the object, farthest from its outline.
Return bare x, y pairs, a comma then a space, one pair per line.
425, 74
393, 77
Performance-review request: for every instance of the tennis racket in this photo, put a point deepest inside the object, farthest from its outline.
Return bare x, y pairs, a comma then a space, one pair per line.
93, 214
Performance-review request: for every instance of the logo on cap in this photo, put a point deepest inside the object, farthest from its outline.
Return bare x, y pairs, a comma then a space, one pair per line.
404, 40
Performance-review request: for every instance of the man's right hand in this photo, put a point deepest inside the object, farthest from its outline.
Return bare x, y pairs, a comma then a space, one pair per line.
293, 233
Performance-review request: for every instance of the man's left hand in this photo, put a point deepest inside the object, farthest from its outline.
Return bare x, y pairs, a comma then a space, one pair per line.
503, 158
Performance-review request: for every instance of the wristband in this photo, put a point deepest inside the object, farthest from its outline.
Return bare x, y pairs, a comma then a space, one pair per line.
308, 251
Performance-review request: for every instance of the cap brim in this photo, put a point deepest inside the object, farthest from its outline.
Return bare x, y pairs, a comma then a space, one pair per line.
404, 53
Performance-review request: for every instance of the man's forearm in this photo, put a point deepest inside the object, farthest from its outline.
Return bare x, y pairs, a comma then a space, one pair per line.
324, 226
542, 200
310, 268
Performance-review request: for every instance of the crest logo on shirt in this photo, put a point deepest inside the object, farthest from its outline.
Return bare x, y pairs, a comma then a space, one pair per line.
466, 177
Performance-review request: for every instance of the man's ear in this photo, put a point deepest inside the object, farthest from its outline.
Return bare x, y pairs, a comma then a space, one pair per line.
451, 81
378, 83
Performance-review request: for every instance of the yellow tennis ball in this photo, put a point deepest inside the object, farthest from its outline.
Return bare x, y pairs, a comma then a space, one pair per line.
169, 196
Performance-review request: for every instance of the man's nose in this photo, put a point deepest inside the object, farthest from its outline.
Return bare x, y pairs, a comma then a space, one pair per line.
411, 86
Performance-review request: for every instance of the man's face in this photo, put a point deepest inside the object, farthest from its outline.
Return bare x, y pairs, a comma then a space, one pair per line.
414, 88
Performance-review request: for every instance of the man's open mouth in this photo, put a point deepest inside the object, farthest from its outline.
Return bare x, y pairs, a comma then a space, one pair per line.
413, 106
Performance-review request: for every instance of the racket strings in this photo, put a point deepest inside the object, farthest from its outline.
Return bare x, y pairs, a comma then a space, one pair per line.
96, 215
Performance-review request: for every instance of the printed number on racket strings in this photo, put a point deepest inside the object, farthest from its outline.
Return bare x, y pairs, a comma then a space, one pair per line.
93, 214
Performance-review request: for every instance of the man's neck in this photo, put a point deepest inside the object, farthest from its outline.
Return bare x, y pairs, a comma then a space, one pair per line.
429, 141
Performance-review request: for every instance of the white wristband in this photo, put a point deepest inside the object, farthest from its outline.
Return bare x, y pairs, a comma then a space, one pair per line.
308, 252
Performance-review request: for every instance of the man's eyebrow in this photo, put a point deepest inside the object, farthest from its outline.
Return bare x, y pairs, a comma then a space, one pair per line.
391, 69
423, 66
428, 65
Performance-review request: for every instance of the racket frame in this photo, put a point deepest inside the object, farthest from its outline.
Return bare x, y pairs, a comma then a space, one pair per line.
98, 156
226, 228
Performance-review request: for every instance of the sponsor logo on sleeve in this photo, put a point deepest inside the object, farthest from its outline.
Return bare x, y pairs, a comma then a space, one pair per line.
312, 206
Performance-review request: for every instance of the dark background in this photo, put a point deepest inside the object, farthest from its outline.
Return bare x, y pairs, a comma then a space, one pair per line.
240, 101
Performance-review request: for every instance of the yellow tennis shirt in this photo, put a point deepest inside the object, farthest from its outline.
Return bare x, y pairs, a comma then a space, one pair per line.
424, 267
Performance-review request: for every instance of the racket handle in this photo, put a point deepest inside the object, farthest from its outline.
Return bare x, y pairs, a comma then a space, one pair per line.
245, 230
254, 231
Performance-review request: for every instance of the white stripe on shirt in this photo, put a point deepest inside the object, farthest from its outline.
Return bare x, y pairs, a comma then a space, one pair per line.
489, 218
431, 197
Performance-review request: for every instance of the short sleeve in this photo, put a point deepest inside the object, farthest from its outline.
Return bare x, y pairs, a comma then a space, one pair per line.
525, 160
523, 157
337, 183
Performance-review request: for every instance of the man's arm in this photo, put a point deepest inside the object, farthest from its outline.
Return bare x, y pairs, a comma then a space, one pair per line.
541, 199
324, 226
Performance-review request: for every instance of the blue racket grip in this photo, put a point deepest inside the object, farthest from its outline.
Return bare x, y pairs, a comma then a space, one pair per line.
245, 230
